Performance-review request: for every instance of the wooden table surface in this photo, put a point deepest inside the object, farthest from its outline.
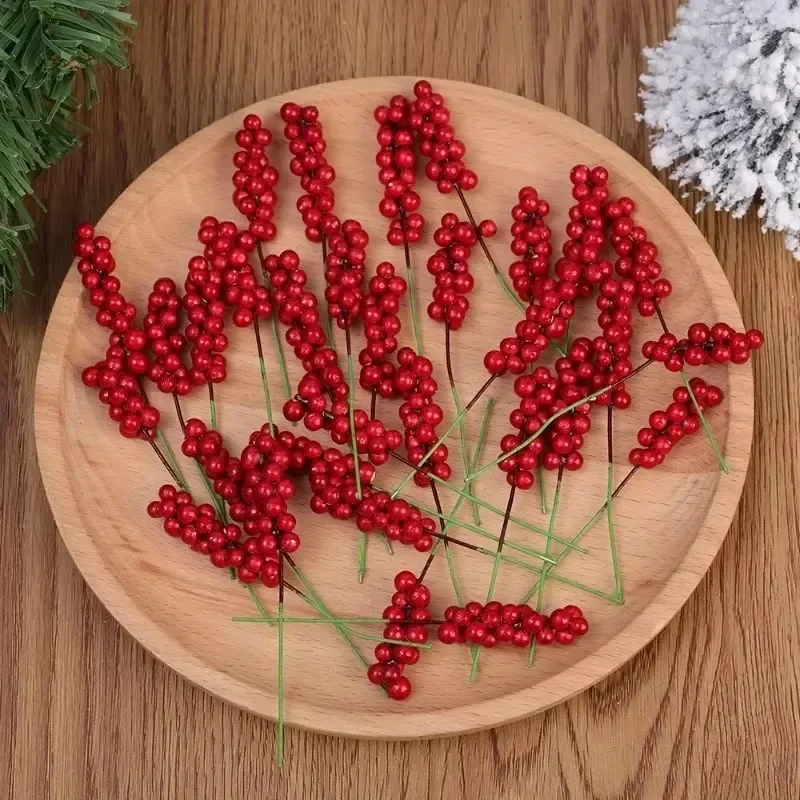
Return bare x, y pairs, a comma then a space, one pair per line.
712, 706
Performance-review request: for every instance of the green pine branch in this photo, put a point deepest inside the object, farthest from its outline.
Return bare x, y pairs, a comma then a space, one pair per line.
45, 47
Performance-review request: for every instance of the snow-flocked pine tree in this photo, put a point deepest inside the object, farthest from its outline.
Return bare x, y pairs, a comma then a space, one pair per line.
722, 96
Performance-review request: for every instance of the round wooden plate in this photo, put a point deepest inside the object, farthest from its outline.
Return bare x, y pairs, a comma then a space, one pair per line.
670, 522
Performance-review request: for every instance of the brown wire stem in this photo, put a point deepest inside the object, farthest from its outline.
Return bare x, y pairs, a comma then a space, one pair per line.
179, 412
162, 458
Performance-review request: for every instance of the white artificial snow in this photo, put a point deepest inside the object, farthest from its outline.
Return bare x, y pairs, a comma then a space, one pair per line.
722, 97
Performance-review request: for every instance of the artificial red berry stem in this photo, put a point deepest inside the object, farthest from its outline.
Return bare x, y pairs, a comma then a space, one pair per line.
430, 119
703, 345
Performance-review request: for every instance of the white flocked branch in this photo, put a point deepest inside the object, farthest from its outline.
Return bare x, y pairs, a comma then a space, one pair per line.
722, 99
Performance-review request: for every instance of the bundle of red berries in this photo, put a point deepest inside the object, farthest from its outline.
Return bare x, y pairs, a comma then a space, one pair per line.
449, 266
307, 146
95, 265
197, 526
680, 418
703, 345
552, 300
530, 243
255, 178
380, 309
396, 160
541, 396
259, 483
228, 251
298, 310
220, 279
344, 272
371, 436
297, 305
324, 381
610, 352
161, 328
406, 618
397, 519
586, 228
120, 391
257, 487
430, 120
420, 415
592, 364
636, 256
331, 479
205, 323
518, 625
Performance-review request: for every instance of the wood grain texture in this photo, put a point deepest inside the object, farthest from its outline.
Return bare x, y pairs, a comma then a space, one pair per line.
670, 522
711, 707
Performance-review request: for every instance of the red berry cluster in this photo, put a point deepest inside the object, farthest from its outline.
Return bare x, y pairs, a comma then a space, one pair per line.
257, 487
255, 179
221, 278
585, 230
420, 414
531, 242
430, 119
449, 266
344, 272
636, 256
197, 526
167, 344
332, 481
703, 345
398, 519
120, 391
406, 618
541, 395
95, 266
334, 492
396, 161
552, 300
592, 364
307, 146
372, 437
380, 309
297, 305
298, 310
494, 623
666, 428
324, 381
